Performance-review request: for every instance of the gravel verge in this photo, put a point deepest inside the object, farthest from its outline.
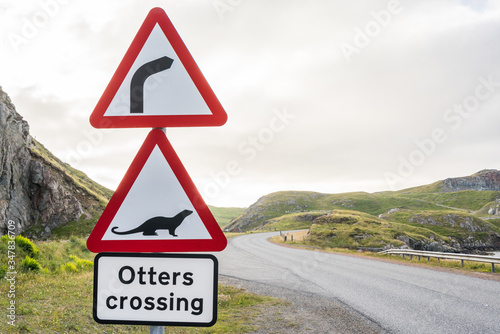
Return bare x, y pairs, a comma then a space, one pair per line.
304, 312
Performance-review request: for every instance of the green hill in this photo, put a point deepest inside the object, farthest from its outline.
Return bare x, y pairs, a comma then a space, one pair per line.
427, 217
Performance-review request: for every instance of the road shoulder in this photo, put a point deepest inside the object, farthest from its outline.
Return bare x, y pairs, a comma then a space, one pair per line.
304, 312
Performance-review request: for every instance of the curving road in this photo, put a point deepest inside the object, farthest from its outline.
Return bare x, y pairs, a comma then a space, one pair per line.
401, 299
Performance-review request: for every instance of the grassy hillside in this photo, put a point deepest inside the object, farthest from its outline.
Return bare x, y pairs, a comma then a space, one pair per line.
52, 293
430, 230
281, 203
224, 215
99, 192
425, 217
469, 200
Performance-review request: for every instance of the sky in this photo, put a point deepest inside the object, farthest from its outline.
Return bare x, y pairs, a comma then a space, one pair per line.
326, 96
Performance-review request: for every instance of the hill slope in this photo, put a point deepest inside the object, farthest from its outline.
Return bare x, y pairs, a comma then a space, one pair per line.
426, 215
38, 192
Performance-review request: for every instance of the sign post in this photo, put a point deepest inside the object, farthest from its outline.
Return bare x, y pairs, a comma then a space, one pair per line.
156, 209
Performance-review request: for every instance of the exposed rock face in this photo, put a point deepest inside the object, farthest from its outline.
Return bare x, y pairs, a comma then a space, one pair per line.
488, 179
32, 190
475, 234
495, 209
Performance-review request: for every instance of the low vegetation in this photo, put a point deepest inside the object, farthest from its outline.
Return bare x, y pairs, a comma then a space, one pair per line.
224, 215
298, 241
52, 290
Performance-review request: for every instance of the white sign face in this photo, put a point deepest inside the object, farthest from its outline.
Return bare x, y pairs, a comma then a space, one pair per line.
156, 193
155, 289
172, 87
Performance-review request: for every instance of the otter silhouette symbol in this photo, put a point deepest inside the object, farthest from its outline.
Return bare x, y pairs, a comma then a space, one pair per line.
150, 226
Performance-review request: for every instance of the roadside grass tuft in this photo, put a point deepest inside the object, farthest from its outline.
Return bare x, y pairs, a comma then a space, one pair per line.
434, 262
30, 264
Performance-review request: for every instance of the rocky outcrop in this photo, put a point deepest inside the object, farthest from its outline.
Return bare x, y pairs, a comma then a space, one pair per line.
467, 223
33, 191
488, 179
495, 209
467, 233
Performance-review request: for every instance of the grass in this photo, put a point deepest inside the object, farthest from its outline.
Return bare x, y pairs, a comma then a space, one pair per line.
354, 229
63, 304
293, 221
58, 297
470, 266
80, 228
224, 215
469, 200
79, 178
282, 203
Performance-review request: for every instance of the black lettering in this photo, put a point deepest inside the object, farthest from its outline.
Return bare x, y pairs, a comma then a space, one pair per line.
149, 303
197, 306
171, 301
122, 300
163, 278
139, 304
188, 280
132, 275
108, 304
141, 273
179, 300
151, 273
162, 305
176, 274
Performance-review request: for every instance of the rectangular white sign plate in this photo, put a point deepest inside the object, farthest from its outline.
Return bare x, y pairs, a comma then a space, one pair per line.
155, 289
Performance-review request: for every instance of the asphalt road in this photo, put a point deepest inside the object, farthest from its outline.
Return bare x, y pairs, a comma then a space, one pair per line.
400, 299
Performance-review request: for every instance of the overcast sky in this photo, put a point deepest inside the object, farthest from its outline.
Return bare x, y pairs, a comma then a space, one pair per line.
328, 96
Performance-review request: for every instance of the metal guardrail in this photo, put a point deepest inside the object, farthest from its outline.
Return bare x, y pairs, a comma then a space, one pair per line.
440, 255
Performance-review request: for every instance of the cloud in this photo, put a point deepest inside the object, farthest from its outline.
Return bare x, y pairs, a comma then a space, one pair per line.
354, 120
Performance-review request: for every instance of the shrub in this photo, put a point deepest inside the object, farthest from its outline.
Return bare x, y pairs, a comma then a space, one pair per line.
69, 267
77, 265
3, 270
30, 264
27, 246
81, 263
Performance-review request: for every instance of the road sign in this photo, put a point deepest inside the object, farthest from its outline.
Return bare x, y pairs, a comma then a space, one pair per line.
156, 208
157, 84
155, 289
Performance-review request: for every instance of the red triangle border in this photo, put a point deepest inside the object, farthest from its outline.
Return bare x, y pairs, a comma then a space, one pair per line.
218, 240
157, 16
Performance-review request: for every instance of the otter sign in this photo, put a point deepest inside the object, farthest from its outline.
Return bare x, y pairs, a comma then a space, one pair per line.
155, 289
156, 208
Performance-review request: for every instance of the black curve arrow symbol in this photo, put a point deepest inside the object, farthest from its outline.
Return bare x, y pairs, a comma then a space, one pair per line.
139, 78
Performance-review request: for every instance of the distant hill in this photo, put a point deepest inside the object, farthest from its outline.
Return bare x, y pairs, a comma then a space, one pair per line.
463, 213
224, 216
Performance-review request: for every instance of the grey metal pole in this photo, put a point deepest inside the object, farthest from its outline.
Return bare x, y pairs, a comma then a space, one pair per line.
158, 329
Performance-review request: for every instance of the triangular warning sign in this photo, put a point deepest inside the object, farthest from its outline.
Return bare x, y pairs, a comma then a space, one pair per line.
157, 84
156, 208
